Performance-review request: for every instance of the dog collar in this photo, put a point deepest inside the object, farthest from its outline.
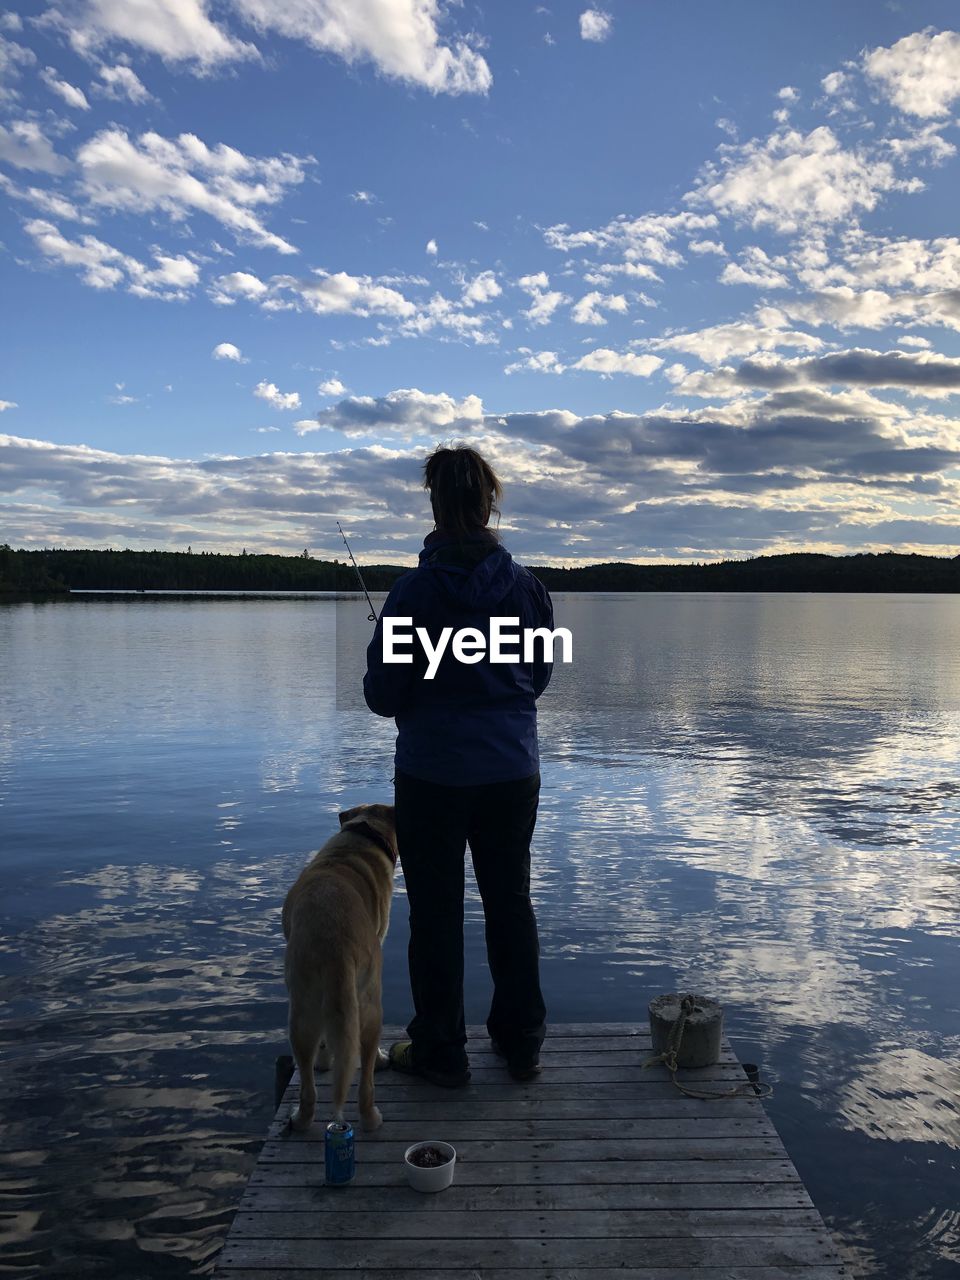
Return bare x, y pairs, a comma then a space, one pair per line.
358, 824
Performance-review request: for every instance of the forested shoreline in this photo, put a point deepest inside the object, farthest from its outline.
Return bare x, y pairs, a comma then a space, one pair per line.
58, 572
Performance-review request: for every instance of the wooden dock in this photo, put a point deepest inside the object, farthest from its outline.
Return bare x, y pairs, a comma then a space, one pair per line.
597, 1169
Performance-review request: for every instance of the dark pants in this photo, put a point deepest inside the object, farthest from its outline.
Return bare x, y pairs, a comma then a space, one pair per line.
434, 825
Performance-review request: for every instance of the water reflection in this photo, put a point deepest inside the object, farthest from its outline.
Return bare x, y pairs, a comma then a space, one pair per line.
752, 795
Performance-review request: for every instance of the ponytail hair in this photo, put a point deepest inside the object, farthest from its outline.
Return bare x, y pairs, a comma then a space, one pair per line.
464, 490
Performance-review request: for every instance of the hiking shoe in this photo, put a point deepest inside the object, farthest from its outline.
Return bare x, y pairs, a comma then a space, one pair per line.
401, 1059
523, 1067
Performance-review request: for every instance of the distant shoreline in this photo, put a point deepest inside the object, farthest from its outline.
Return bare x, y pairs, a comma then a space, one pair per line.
53, 572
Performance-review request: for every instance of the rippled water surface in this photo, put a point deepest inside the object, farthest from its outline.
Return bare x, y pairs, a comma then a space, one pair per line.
756, 795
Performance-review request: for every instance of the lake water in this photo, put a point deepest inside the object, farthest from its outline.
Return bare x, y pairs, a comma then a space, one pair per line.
753, 795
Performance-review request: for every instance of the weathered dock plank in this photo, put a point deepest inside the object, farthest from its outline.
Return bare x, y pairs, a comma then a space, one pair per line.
533, 1254
572, 1129
503, 1197
527, 1152
511, 1224
788, 1272
599, 1168
579, 1173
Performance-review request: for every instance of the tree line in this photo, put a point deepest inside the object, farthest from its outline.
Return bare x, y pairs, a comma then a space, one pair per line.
54, 572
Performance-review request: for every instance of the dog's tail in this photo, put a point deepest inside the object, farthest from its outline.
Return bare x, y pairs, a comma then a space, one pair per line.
342, 1025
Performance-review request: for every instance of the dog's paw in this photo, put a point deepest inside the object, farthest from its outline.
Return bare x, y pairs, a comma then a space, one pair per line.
371, 1120
300, 1121
383, 1060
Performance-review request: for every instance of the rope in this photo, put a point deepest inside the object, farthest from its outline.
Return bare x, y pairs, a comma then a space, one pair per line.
669, 1059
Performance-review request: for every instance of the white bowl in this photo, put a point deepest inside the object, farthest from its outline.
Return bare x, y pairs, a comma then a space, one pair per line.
435, 1179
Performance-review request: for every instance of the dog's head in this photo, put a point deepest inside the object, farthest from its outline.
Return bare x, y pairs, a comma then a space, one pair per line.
379, 816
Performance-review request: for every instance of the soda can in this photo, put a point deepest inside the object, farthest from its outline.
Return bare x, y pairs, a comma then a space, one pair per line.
338, 1153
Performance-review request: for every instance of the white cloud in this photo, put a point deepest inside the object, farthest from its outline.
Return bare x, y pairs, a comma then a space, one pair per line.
590, 307
834, 82
482, 288
363, 197
332, 387
758, 277
595, 24
754, 268
342, 294
707, 246
104, 267
847, 308
633, 270
920, 139
441, 312
543, 300
920, 74
739, 338
536, 361
25, 145
647, 238
790, 181
237, 284
121, 82
868, 261
788, 94
605, 361
174, 30
49, 201
179, 272
322, 292
8, 404
406, 413
153, 172
227, 351
431, 248
914, 340
71, 95
274, 396
400, 37
13, 56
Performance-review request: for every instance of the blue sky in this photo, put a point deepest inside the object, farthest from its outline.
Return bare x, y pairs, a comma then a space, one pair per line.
686, 273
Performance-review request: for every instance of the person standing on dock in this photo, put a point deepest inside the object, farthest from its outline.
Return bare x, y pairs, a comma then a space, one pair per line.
467, 773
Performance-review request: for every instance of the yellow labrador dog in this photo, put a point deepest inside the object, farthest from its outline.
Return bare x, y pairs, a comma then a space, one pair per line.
334, 919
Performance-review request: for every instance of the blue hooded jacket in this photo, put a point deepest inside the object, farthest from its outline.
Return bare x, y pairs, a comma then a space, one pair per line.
472, 723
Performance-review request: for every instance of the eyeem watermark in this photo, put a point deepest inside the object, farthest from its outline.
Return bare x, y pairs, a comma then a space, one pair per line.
469, 645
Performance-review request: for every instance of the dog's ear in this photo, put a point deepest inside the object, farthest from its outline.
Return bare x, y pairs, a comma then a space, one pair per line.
348, 814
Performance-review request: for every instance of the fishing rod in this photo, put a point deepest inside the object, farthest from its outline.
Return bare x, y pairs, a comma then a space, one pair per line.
372, 615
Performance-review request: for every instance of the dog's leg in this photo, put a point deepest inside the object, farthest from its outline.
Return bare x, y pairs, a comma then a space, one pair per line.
370, 1026
342, 1027
305, 1032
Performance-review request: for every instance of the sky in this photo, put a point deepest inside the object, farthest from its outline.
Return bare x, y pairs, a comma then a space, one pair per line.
685, 274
